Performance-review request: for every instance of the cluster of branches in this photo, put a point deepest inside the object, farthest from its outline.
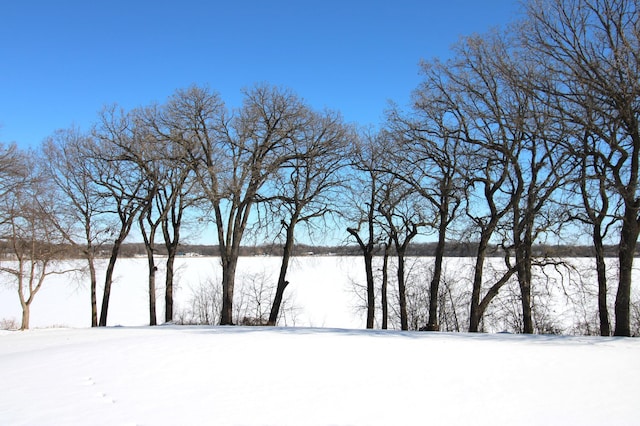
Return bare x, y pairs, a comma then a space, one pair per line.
523, 136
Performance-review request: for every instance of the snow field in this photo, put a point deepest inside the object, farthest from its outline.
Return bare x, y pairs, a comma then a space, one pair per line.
303, 376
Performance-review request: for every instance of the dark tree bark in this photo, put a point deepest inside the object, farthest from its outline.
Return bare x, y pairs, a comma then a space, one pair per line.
282, 276
367, 248
383, 288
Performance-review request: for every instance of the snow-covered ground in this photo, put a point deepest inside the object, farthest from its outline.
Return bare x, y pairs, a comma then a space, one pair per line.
190, 375
128, 374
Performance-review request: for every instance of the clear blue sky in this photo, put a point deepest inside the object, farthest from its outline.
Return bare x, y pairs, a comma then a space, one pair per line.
61, 61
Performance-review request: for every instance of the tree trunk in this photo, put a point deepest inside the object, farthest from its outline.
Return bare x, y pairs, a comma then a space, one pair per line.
367, 254
168, 292
475, 314
94, 290
371, 303
432, 324
601, 269
229, 265
402, 293
25, 316
152, 288
107, 282
385, 280
626, 252
282, 278
171, 243
523, 260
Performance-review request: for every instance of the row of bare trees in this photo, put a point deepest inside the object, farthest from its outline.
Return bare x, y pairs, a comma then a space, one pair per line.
524, 136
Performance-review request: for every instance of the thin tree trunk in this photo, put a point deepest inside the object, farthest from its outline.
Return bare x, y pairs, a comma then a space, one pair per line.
432, 324
94, 290
385, 280
168, 293
475, 315
402, 292
282, 278
107, 282
367, 254
152, 288
171, 244
371, 307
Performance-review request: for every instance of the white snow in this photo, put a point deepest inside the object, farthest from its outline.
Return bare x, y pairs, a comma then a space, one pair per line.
192, 375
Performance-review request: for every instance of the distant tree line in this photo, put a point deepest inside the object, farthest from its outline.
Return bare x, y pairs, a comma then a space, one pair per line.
452, 249
524, 143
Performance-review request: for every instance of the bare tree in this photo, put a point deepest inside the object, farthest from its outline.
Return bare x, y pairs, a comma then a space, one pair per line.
426, 158
597, 209
71, 172
233, 158
121, 183
168, 164
307, 184
366, 195
402, 215
30, 227
590, 53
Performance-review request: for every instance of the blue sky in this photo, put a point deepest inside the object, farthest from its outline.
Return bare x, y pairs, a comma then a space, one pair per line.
61, 61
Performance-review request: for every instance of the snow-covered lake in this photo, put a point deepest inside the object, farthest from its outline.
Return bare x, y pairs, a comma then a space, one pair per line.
323, 292
320, 293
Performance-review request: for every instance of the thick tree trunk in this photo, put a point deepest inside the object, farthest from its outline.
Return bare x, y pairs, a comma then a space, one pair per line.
26, 313
168, 292
523, 260
228, 283
601, 270
626, 252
